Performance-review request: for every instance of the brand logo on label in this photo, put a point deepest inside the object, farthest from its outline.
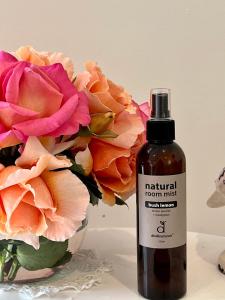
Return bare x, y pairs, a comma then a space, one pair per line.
161, 227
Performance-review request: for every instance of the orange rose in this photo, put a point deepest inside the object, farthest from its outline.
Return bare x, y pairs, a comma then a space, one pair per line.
36, 201
111, 160
113, 169
104, 95
29, 54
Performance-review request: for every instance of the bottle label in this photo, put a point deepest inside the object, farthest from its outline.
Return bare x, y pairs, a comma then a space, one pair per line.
162, 210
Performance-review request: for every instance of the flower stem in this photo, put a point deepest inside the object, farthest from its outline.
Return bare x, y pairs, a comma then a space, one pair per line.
8, 252
14, 269
2, 264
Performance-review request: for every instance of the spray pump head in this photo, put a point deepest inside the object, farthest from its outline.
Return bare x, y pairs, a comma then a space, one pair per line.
160, 103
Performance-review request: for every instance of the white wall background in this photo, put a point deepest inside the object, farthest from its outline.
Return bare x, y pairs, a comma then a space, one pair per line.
143, 44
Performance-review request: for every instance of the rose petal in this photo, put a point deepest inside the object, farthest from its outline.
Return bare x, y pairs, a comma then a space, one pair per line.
117, 185
34, 151
124, 168
72, 198
45, 77
65, 85
58, 57
50, 124
80, 117
110, 102
84, 158
95, 104
82, 80
98, 81
13, 83
81, 142
11, 198
5, 172
27, 237
60, 147
110, 173
6, 57
104, 154
108, 196
128, 127
27, 218
145, 111
44, 58
34, 155
6, 60
8, 139
40, 196
119, 170
112, 178
37, 95
48, 143
11, 114
29, 54
16, 209
119, 94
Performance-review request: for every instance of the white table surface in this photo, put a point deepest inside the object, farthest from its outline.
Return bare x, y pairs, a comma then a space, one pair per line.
118, 246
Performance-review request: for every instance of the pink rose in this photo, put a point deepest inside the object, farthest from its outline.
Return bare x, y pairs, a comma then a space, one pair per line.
38, 101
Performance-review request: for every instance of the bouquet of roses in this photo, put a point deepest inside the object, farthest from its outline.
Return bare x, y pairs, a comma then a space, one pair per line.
66, 141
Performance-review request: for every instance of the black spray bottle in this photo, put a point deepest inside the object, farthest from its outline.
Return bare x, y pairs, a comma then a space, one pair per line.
161, 206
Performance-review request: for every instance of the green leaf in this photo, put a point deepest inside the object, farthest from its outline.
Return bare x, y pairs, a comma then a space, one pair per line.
106, 134
64, 260
84, 131
88, 181
93, 199
92, 187
5, 243
120, 201
100, 122
8, 155
1, 248
76, 168
46, 256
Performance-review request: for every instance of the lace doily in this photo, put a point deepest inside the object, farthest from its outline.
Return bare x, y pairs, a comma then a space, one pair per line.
82, 272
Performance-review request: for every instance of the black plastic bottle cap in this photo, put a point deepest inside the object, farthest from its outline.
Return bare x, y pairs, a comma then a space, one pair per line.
160, 128
160, 131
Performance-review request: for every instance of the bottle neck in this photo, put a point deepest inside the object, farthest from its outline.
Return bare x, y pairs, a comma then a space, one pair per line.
160, 131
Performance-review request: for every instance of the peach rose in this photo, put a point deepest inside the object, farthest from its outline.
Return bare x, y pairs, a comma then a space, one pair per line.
37, 201
112, 160
104, 95
43, 58
114, 164
113, 169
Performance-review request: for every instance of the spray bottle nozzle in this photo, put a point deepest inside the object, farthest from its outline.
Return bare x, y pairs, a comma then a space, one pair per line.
160, 103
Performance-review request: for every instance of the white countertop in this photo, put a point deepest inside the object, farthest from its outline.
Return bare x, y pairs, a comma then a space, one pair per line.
118, 246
